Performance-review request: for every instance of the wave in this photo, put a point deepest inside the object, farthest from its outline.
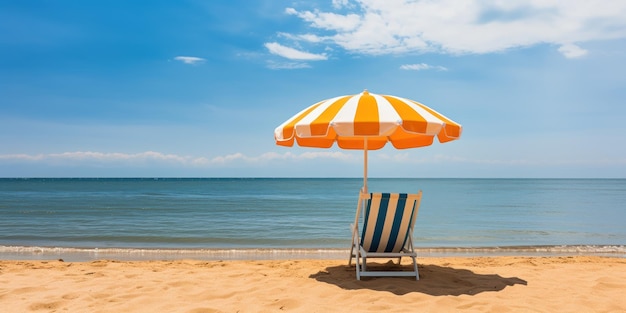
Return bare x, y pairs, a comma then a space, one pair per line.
89, 254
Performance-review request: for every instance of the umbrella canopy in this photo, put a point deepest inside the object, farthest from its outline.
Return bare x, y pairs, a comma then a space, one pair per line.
367, 121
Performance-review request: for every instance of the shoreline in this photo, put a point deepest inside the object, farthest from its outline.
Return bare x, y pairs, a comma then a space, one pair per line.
212, 254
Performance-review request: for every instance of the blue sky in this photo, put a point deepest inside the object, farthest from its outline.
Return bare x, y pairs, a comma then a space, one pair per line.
196, 88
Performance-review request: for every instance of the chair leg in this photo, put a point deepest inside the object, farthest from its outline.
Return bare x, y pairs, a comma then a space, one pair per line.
358, 266
351, 255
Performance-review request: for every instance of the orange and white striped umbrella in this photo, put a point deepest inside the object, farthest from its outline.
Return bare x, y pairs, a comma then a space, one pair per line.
367, 121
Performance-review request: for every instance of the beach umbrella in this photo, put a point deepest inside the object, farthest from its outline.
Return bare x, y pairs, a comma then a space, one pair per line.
366, 121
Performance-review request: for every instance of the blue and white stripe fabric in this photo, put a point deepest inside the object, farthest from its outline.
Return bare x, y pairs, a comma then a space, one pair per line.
388, 219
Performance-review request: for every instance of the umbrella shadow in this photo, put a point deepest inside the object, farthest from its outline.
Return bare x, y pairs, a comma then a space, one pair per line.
434, 280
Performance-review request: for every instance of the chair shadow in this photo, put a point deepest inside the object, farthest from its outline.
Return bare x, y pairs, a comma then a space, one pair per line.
434, 280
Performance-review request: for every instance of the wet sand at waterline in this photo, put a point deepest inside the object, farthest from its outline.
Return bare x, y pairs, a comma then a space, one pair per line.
447, 284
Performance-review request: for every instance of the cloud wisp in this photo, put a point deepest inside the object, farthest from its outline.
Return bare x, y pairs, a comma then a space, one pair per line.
293, 54
297, 59
376, 27
91, 157
572, 51
422, 67
286, 65
189, 60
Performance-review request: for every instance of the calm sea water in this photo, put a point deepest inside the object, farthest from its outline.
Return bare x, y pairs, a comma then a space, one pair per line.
68, 215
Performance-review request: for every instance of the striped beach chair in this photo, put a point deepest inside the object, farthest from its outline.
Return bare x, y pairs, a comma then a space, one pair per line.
388, 220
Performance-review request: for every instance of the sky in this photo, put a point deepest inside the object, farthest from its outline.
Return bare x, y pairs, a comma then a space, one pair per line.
196, 88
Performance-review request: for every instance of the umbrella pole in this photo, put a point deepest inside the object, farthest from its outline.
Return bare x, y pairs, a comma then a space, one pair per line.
365, 165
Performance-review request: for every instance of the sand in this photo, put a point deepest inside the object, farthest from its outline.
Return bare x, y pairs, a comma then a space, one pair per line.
447, 284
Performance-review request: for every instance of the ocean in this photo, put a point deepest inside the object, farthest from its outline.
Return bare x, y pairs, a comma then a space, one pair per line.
242, 218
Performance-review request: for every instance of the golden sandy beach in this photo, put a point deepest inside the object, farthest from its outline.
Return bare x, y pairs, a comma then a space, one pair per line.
447, 284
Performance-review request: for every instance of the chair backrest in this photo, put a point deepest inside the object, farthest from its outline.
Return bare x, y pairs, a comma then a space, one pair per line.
388, 221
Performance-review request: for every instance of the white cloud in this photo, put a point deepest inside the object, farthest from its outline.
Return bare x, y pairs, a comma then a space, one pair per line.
422, 66
293, 54
302, 37
329, 21
91, 157
474, 26
572, 51
87, 159
287, 65
22, 157
189, 60
338, 4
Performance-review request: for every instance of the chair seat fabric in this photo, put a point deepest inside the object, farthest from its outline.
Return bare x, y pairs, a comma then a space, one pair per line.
388, 219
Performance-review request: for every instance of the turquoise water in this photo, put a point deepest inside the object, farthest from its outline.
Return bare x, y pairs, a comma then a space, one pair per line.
287, 213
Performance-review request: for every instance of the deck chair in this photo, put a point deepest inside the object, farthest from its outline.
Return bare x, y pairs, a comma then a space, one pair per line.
388, 220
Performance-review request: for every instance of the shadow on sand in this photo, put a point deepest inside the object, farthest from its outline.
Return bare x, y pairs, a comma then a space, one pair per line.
434, 280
